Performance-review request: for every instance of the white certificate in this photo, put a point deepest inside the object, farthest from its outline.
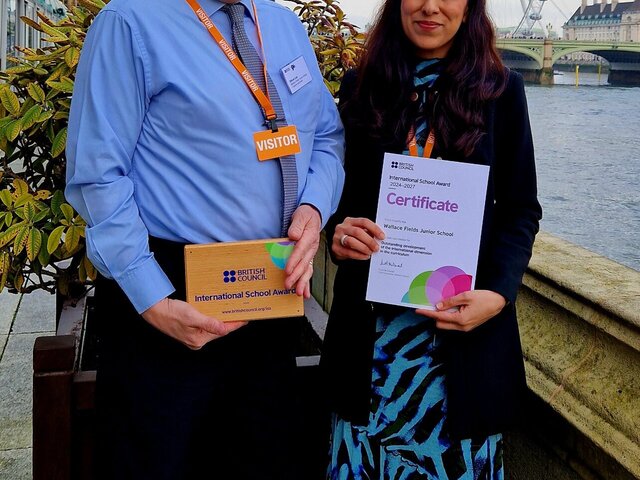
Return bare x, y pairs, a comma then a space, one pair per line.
431, 212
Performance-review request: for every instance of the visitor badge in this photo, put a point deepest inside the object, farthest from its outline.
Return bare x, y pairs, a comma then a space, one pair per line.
270, 145
296, 74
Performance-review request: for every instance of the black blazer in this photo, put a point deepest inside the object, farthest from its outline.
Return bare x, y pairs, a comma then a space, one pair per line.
484, 368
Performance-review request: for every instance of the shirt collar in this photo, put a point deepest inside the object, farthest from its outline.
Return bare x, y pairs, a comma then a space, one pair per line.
215, 5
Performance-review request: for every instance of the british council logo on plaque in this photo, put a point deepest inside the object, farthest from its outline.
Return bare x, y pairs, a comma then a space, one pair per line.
229, 276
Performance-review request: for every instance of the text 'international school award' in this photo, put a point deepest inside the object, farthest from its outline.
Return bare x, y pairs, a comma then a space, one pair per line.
241, 280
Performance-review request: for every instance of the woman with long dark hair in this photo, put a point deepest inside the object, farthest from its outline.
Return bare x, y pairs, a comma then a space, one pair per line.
421, 393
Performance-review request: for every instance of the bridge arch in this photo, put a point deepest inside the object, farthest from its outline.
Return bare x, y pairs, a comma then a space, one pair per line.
611, 52
534, 53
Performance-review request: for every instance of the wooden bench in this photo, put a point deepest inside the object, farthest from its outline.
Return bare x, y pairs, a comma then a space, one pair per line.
63, 400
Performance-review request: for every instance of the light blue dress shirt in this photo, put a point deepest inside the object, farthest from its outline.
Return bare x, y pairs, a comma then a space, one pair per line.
160, 137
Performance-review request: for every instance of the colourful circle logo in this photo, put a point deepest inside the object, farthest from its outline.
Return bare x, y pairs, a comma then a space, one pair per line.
280, 253
431, 287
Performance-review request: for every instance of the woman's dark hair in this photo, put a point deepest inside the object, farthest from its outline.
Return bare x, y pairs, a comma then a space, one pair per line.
473, 74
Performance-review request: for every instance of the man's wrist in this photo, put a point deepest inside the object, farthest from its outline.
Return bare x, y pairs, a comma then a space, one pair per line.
150, 312
316, 209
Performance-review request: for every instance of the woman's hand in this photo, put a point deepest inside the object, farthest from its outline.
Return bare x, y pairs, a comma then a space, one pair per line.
474, 308
356, 239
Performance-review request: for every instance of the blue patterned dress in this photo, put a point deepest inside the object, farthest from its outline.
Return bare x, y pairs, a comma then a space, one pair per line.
406, 436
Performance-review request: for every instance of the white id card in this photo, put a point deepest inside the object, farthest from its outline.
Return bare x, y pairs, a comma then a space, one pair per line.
296, 74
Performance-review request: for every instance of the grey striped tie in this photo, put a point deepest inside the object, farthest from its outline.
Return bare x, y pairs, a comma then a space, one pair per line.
251, 60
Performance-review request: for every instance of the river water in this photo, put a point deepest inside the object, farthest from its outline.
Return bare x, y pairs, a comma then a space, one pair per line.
587, 143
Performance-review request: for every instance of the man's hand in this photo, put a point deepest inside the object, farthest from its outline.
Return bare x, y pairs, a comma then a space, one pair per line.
474, 308
305, 231
356, 238
184, 323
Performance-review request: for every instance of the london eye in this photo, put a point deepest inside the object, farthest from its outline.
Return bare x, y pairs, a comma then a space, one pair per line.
532, 18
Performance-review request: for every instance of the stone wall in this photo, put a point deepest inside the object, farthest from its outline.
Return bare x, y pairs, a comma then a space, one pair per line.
580, 328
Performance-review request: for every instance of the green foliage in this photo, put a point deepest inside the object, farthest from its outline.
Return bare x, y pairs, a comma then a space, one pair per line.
41, 237
338, 44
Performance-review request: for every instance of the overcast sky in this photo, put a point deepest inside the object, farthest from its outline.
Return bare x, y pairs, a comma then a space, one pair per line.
506, 13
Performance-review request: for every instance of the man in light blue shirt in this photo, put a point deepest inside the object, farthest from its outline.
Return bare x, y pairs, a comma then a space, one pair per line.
161, 147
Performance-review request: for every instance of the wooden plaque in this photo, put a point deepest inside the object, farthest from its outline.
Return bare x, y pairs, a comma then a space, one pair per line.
241, 280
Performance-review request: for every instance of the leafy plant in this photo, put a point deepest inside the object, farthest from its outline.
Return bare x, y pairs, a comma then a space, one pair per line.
338, 44
41, 236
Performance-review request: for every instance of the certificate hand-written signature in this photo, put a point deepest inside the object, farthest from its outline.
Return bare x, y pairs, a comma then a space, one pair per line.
390, 264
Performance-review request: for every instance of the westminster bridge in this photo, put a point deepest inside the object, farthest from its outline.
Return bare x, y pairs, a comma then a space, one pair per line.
535, 58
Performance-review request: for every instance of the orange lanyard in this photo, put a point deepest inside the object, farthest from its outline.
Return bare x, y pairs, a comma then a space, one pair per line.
428, 146
260, 96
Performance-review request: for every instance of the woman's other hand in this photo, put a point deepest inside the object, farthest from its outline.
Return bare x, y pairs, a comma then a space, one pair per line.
473, 309
356, 239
